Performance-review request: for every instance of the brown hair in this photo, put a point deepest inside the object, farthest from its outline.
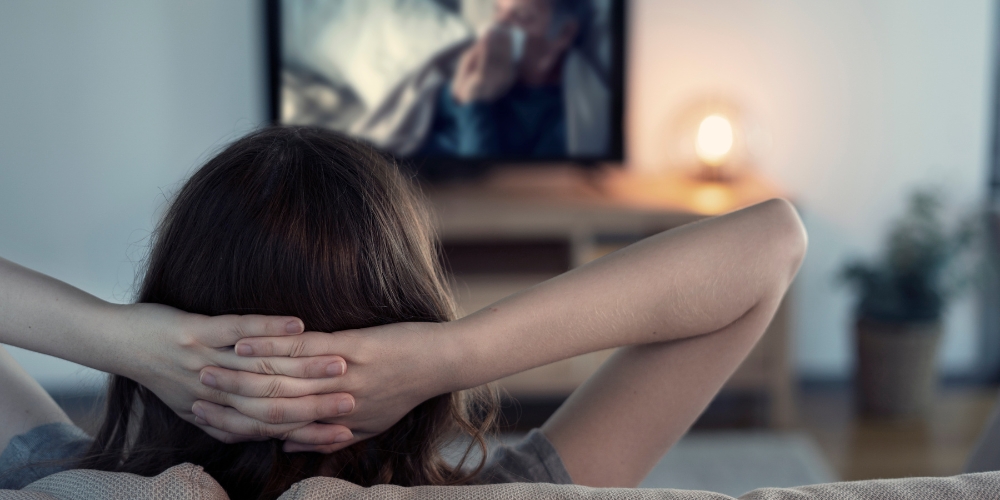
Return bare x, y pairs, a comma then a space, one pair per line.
301, 222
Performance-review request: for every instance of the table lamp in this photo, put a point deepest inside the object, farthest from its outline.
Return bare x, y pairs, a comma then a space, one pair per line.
709, 141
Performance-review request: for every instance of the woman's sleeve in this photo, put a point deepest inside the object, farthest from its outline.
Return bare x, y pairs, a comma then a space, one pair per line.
532, 460
41, 452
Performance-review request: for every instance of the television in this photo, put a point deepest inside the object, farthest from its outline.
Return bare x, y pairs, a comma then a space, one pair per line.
452, 87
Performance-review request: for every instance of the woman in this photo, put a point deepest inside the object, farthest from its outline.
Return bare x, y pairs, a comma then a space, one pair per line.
304, 223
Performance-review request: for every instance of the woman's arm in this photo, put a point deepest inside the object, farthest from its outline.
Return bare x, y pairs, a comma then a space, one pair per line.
160, 347
694, 280
690, 302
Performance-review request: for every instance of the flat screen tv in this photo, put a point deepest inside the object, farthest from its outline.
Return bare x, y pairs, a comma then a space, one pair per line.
454, 86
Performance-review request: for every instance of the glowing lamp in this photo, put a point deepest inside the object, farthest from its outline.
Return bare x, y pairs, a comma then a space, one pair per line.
714, 140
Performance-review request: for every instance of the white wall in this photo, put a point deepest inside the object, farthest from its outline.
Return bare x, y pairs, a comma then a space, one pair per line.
104, 106
863, 100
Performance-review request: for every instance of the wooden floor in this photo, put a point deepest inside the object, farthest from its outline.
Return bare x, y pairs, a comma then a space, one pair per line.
867, 448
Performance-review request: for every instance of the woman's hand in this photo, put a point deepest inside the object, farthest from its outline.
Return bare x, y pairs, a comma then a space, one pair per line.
390, 370
166, 350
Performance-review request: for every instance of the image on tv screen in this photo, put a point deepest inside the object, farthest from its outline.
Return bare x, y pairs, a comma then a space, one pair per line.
466, 79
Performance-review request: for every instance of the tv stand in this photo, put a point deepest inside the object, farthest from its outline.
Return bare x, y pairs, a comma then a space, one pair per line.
520, 226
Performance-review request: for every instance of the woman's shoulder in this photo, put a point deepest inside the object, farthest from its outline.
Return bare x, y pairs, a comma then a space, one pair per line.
532, 459
40, 452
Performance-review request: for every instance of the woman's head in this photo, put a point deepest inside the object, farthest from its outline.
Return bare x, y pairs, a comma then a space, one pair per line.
302, 222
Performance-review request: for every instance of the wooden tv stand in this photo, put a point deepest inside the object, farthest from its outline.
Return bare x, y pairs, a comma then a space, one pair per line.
522, 226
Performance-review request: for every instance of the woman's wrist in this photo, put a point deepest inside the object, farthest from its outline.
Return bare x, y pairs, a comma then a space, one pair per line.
124, 339
140, 338
466, 354
125, 323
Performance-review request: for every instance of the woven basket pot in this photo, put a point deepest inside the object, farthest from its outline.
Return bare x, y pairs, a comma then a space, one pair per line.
896, 370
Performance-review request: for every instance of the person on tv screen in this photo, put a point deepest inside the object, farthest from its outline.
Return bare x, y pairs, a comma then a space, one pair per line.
434, 79
505, 98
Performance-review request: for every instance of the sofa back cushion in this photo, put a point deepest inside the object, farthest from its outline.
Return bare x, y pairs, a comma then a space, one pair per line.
187, 481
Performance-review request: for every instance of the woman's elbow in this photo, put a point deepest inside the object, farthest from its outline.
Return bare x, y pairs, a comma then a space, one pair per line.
790, 239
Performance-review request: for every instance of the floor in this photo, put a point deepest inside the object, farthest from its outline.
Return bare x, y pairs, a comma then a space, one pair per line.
868, 448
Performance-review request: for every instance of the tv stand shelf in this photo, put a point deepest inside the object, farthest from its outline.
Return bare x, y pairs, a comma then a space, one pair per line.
517, 228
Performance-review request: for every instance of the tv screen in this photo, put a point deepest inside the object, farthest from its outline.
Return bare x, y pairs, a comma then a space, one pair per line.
454, 82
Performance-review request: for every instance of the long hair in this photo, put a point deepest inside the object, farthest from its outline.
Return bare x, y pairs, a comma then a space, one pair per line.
307, 223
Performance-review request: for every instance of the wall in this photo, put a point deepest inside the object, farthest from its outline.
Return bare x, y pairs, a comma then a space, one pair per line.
862, 99
104, 106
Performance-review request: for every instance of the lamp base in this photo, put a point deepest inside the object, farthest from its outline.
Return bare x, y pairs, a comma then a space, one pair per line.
711, 173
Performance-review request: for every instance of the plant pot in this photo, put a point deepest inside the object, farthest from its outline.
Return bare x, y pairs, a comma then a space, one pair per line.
896, 370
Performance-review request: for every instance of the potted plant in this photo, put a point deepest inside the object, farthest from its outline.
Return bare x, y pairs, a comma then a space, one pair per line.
902, 296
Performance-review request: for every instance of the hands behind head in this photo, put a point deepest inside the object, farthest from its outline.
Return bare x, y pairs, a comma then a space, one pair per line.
246, 378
